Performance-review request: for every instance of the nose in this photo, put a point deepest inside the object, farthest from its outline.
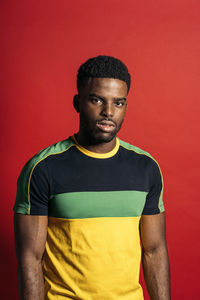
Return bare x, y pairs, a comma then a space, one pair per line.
107, 110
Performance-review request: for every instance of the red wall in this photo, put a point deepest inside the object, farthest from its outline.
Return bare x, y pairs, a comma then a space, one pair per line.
44, 42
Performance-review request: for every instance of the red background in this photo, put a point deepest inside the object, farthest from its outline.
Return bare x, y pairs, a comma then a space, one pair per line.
42, 45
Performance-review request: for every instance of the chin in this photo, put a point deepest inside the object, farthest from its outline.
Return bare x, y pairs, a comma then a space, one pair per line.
103, 138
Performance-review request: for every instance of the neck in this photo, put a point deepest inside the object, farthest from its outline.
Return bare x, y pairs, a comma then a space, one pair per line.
98, 147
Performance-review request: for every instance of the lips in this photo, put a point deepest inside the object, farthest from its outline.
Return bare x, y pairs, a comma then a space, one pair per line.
106, 126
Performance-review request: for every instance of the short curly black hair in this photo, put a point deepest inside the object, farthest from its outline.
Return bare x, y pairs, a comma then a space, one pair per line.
102, 66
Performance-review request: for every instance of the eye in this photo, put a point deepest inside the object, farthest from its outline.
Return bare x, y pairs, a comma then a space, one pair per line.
96, 100
119, 103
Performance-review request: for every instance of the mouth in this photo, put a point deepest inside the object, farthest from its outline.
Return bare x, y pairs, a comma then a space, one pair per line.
106, 126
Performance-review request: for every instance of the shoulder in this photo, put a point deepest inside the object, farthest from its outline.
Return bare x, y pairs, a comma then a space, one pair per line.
135, 149
140, 154
51, 150
54, 149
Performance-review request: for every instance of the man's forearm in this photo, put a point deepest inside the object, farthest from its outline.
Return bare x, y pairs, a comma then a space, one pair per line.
30, 281
157, 273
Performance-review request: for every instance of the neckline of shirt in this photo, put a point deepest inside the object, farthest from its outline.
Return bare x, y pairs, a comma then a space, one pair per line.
94, 154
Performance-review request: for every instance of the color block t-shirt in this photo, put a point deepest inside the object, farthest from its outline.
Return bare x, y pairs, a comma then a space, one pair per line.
94, 203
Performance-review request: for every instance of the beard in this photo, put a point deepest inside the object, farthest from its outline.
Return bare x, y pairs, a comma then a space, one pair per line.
96, 136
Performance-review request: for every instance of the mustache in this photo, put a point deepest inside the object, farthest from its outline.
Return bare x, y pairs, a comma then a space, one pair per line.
106, 119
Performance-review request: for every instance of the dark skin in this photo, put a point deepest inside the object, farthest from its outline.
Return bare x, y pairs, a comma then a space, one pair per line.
155, 260
102, 106
101, 99
30, 239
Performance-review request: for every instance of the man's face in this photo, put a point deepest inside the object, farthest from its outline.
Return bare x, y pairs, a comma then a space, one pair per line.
102, 107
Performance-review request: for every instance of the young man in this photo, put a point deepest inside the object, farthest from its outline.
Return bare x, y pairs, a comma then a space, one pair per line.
83, 204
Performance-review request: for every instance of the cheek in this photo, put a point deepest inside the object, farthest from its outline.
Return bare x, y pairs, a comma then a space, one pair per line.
88, 115
92, 112
121, 115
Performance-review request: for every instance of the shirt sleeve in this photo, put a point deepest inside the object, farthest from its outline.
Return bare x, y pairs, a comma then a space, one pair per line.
154, 199
33, 189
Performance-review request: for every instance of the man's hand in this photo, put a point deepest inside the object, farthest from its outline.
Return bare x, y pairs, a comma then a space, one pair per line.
30, 239
155, 260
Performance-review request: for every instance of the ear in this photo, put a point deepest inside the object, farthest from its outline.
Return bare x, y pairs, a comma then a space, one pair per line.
76, 103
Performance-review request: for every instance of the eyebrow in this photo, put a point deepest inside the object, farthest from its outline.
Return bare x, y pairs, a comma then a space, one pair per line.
102, 98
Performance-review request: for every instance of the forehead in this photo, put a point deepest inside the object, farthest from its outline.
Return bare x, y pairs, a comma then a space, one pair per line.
106, 86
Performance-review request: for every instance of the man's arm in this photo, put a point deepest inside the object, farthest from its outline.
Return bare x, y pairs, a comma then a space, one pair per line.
155, 260
30, 238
